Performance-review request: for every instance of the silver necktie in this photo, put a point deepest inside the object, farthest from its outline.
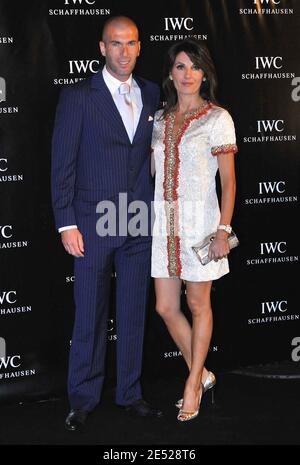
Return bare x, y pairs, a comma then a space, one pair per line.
125, 109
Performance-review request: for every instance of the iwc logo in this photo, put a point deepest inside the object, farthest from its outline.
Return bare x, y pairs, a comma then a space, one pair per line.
272, 193
78, 70
79, 8
10, 365
8, 301
268, 67
6, 175
7, 238
270, 130
273, 253
266, 7
274, 311
177, 28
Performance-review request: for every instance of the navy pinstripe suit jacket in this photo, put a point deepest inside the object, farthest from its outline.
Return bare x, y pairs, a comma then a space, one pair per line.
92, 156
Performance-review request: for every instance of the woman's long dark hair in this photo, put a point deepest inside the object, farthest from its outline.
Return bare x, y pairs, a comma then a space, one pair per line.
199, 54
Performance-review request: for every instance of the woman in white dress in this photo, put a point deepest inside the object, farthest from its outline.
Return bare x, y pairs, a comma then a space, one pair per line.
192, 138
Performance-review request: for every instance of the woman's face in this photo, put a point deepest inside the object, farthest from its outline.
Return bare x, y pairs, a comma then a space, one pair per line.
187, 77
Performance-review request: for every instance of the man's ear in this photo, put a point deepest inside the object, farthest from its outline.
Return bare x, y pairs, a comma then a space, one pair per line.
102, 47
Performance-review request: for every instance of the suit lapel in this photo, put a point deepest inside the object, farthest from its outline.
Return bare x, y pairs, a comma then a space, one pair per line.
143, 121
102, 98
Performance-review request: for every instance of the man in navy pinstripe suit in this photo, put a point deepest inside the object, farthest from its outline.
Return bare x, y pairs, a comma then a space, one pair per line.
101, 148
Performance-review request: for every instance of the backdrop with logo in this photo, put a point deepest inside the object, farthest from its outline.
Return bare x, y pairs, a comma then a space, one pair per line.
47, 44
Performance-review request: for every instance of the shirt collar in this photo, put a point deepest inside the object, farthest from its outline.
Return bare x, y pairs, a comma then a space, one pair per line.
112, 83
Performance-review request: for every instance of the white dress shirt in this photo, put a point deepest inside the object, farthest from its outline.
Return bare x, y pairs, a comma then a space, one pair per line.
113, 85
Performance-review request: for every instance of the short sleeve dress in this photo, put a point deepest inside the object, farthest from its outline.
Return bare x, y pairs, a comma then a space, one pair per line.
186, 207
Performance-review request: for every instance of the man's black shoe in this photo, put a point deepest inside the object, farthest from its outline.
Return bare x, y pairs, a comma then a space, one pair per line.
76, 419
141, 408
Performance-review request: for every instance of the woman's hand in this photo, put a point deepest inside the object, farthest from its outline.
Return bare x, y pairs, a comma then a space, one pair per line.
219, 248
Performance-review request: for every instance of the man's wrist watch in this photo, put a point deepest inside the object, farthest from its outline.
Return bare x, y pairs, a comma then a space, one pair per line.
225, 227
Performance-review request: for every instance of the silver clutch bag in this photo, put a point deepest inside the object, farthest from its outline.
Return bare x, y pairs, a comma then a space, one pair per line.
201, 249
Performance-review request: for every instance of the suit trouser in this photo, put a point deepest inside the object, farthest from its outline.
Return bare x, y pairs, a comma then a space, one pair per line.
92, 294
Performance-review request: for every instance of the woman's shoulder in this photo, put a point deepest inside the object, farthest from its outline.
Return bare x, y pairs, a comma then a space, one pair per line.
217, 110
220, 115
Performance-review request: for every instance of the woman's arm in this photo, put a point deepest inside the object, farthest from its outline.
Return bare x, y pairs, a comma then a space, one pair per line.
219, 247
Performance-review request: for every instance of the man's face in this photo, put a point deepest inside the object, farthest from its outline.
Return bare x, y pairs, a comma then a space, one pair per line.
121, 47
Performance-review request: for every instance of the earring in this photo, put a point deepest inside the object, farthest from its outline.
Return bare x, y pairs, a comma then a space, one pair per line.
170, 77
204, 79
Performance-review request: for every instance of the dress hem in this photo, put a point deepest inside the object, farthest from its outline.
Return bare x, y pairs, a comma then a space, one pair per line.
192, 280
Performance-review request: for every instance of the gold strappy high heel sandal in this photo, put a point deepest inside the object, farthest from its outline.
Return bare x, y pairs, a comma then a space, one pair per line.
208, 384
184, 415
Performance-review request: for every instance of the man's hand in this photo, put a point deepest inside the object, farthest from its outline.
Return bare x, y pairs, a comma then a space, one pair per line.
73, 242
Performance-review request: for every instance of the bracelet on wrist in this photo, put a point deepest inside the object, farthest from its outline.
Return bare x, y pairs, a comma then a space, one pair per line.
225, 227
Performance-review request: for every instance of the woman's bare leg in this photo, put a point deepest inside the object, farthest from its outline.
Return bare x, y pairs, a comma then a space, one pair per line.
168, 292
198, 299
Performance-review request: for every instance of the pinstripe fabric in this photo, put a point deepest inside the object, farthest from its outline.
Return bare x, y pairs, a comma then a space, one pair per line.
92, 160
92, 156
88, 348
134, 257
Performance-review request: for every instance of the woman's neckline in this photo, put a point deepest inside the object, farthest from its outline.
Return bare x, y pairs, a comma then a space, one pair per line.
195, 111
